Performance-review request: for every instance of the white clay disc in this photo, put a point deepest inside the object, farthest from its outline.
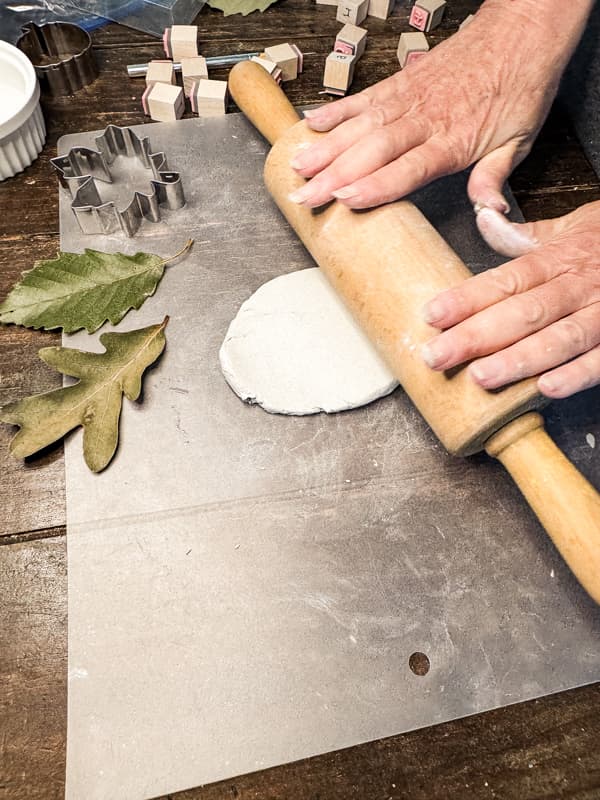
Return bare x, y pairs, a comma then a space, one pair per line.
294, 348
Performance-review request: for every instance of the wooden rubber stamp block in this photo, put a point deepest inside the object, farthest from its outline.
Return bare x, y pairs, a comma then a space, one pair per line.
160, 72
193, 68
427, 14
181, 41
351, 40
163, 102
288, 58
380, 8
269, 66
353, 11
326, 2
339, 72
209, 98
411, 46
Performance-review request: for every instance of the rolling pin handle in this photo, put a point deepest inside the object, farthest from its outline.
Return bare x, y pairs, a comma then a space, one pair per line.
565, 503
261, 100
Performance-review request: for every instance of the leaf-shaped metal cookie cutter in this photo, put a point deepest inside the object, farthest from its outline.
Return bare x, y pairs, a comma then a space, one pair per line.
81, 167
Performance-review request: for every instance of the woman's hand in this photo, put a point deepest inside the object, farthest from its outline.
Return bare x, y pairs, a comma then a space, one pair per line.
537, 314
480, 96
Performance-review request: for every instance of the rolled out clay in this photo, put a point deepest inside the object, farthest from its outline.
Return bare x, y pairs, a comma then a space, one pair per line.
294, 348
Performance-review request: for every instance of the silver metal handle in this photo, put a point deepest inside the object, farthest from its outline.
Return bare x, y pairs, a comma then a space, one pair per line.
140, 70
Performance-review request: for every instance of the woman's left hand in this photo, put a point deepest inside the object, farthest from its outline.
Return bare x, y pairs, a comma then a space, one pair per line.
537, 314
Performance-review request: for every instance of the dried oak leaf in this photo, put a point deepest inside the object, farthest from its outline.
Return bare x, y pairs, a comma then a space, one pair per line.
83, 290
93, 402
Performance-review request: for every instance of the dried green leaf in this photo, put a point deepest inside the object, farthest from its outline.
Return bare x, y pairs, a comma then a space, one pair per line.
83, 290
243, 7
93, 402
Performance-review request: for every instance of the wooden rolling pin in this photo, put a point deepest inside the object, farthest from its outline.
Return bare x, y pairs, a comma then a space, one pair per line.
386, 263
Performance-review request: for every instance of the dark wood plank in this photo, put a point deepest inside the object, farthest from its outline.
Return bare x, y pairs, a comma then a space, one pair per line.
32, 492
33, 669
544, 749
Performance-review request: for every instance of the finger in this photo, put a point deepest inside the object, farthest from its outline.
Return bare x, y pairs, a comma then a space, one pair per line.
416, 168
489, 287
365, 157
326, 117
318, 156
577, 375
489, 175
560, 342
507, 322
513, 238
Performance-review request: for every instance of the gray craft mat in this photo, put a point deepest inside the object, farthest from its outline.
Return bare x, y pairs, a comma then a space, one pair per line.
246, 589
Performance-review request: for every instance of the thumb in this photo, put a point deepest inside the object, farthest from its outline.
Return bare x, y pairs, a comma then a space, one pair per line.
514, 239
485, 185
489, 175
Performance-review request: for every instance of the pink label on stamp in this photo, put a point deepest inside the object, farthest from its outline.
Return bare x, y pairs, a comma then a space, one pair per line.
300, 55
343, 47
415, 56
167, 42
145, 100
419, 18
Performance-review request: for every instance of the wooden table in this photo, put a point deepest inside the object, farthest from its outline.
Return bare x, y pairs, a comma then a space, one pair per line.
542, 749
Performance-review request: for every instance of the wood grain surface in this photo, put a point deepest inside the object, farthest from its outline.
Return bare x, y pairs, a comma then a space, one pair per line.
544, 749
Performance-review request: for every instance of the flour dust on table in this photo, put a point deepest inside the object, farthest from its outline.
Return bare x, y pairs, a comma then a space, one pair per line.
294, 348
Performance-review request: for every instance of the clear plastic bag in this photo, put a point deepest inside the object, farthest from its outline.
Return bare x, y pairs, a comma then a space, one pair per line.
150, 16
14, 15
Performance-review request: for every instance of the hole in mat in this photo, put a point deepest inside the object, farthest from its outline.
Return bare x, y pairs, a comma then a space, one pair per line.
419, 664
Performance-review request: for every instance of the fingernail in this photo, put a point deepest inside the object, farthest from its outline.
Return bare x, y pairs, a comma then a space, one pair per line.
345, 193
300, 160
498, 203
433, 311
482, 373
311, 112
550, 383
433, 354
301, 195
297, 162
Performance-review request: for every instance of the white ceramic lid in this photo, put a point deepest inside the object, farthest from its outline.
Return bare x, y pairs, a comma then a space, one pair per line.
19, 89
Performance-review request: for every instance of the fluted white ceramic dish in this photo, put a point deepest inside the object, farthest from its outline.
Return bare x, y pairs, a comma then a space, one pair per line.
22, 128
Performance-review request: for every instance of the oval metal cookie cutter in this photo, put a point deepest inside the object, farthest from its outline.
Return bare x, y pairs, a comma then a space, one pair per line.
79, 169
61, 53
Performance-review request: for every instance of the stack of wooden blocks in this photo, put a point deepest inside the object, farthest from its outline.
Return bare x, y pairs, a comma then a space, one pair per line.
349, 46
425, 15
350, 42
288, 59
163, 100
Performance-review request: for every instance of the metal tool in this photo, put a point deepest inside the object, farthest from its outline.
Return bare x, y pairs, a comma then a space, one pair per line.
81, 167
61, 54
140, 70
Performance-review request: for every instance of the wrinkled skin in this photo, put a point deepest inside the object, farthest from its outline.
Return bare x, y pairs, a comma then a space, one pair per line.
478, 98
538, 314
